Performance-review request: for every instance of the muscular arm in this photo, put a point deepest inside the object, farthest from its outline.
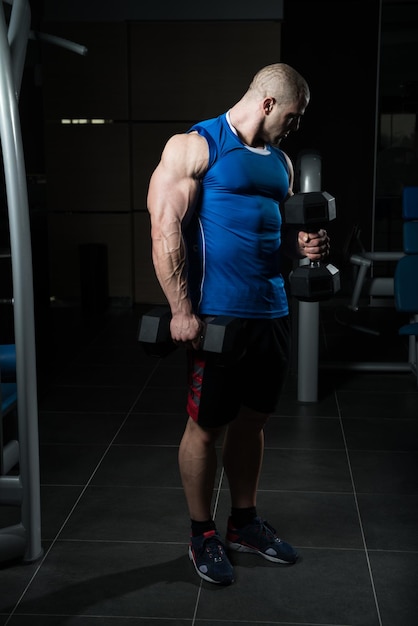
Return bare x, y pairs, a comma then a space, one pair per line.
172, 196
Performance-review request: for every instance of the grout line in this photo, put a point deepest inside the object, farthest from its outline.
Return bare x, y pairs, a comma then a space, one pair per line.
358, 513
218, 493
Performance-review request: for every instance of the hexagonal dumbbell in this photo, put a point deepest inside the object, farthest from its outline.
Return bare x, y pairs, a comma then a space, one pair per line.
154, 333
309, 212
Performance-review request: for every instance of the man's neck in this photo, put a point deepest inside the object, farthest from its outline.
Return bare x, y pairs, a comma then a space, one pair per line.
243, 129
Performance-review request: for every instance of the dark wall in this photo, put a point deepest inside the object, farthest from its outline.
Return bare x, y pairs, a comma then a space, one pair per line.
335, 46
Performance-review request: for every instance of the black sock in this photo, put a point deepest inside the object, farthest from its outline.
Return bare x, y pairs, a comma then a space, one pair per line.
242, 517
198, 528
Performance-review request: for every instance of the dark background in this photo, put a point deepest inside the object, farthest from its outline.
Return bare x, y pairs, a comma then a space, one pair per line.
359, 58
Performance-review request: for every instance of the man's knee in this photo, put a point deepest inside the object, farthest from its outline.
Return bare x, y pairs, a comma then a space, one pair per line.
249, 418
202, 433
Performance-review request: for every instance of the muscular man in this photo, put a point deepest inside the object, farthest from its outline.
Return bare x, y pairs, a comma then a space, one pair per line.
217, 239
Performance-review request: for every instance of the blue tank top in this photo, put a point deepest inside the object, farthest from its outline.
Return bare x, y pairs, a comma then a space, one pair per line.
233, 237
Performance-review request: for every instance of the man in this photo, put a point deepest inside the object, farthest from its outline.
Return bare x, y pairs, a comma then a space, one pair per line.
214, 201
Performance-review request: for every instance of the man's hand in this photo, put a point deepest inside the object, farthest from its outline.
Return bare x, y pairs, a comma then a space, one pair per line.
315, 246
187, 328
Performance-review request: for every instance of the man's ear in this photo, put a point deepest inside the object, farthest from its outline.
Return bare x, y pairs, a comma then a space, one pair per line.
268, 105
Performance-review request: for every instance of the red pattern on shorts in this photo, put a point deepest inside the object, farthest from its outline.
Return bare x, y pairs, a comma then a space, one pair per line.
197, 367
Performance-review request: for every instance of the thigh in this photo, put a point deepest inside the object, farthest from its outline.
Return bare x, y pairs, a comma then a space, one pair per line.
266, 364
214, 395
253, 377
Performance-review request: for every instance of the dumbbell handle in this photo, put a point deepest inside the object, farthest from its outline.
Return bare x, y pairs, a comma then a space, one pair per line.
218, 336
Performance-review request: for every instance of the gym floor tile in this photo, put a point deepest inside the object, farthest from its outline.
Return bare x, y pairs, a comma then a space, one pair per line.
68, 464
339, 482
70, 427
379, 404
400, 514
382, 472
313, 519
114, 578
389, 434
325, 407
306, 470
106, 513
395, 576
139, 465
152, 429
266, 591
304, 432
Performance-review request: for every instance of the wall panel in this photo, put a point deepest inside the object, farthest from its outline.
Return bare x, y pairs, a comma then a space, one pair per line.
67, 231
87, 167
150, 79
205, 67
95, 85
146, 286
165, 9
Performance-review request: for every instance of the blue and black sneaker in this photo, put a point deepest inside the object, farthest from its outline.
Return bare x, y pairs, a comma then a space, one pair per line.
208, 556
260, 538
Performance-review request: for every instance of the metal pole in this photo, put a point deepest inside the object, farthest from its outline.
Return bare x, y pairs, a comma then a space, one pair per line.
308, 312
308, 347
21, 254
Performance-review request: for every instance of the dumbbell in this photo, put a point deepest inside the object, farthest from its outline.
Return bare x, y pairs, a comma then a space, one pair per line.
309, 212
154, 333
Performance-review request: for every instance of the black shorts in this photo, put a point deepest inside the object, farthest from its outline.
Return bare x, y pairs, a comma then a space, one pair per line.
253, 376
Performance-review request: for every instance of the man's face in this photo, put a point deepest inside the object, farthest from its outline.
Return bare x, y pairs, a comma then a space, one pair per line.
283, 120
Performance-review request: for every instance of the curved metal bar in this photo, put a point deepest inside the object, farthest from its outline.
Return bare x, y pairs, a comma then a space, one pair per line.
21, 253
18, 35
59, 41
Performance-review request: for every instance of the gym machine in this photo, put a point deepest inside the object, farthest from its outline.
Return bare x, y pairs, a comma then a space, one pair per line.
308, 365
22, 539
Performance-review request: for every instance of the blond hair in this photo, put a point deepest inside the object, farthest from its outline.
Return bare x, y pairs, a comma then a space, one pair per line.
282, 82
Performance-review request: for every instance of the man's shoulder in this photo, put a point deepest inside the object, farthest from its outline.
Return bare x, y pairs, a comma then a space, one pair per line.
210, 124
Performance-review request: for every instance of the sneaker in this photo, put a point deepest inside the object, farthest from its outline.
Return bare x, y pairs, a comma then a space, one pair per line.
208, 556
260, 538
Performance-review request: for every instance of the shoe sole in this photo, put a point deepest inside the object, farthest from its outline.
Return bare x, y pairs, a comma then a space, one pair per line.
239, 547
207, 578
